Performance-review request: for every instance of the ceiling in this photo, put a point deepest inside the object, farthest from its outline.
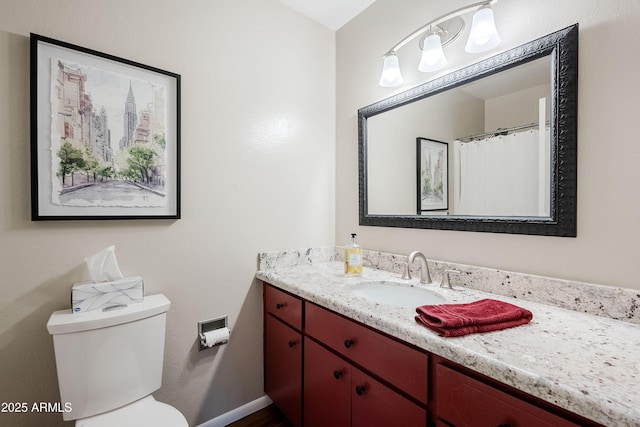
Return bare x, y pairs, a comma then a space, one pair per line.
330, 13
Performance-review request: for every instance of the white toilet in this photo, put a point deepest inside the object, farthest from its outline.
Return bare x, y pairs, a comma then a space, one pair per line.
109, 362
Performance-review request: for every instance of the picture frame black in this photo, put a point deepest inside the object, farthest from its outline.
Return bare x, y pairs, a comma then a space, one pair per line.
432, 175
82, 100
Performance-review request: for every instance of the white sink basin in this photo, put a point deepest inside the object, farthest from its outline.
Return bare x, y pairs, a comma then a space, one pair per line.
398, 294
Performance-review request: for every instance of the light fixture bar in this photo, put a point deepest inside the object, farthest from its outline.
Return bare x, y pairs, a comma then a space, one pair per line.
437, 21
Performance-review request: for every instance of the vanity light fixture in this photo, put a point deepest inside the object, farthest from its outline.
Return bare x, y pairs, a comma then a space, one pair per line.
391, 75
433, 57
483, 35
438, 34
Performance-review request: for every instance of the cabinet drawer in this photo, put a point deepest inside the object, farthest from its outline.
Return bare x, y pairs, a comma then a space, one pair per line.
284, 306
396, 363
464, 401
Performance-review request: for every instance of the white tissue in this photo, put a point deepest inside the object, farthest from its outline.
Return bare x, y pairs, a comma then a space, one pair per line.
103, 266
215, 337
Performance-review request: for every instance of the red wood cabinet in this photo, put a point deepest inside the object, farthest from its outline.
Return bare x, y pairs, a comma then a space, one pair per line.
284, 306
283, 359
374, 404
327, 387
337, 394
465, 402
392, 361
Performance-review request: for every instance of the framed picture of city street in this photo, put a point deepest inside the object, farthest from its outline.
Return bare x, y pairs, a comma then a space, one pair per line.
432, 175
105, 136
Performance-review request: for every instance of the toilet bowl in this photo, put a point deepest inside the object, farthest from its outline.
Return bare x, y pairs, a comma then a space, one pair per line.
110, 362
146, 412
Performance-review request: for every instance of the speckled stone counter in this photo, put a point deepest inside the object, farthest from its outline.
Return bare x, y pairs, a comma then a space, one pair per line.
584, 363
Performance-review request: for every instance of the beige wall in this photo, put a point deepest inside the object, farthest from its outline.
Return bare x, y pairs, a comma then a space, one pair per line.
607, 248
258, 146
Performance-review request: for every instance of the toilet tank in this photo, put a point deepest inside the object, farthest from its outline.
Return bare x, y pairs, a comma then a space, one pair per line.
108, 359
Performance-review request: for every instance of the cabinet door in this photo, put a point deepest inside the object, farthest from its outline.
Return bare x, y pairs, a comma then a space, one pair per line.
327, 387
465, 402
374, 404
283, 368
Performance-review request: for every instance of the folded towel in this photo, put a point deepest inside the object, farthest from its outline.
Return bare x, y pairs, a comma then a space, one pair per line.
454, 320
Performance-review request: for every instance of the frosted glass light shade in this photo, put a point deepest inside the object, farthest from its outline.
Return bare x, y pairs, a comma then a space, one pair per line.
483, 35
433, 58
390, 72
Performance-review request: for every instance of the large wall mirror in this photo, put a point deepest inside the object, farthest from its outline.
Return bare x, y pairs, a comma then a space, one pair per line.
491, 147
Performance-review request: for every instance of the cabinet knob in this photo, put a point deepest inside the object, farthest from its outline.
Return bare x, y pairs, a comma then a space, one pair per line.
292, 343
348, 343
360, 390
337, 374
279, 306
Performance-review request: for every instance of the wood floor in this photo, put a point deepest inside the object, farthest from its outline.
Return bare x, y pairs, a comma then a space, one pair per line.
267, 417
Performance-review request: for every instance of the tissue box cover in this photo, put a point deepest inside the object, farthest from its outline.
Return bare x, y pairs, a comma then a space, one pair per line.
88, 296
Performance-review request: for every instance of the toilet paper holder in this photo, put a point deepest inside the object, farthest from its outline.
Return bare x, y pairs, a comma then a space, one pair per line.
219, 323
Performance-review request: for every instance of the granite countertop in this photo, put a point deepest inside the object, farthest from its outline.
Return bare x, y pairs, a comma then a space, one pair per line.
587, 364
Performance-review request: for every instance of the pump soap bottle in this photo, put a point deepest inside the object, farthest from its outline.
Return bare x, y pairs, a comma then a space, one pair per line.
353, 258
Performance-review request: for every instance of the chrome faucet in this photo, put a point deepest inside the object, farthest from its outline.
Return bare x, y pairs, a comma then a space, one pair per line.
425, 276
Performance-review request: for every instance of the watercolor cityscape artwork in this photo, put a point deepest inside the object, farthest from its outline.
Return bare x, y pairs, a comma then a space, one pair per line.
108, 139
105, 139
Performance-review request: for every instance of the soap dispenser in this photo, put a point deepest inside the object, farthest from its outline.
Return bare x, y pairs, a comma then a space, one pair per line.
353, 258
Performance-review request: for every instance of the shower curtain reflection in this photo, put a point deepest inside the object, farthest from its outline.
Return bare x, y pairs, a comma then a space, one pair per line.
510, 175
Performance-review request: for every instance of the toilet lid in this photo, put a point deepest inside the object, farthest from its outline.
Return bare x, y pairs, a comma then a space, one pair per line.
146, 412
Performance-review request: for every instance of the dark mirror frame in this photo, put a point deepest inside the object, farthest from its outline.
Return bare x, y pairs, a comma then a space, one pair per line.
562, 47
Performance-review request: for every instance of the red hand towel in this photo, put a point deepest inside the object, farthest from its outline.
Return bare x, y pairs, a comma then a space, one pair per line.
454, 320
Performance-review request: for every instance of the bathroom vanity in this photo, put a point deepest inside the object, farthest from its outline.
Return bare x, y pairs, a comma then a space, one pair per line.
335, 358
350, 374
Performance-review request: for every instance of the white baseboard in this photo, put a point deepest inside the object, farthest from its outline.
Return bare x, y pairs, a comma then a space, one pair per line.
238, 413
